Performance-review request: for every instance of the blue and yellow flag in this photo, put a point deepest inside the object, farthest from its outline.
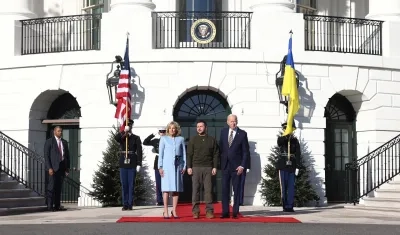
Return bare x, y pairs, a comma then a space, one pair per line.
289, 88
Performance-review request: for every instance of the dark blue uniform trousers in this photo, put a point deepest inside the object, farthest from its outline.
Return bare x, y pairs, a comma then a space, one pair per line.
127, 176
158, 186
287, 179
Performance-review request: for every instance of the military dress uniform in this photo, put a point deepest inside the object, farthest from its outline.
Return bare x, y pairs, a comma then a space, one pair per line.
128, 166
151, 140
287, 168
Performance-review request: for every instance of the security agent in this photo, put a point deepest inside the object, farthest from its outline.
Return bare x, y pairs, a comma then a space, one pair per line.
287, 167
129, 166
154, 140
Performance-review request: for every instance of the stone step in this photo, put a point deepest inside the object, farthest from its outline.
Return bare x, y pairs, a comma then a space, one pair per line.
16, 193
10, 185
387, 193
390, 185
4, 177
382, 202
372, 208
21, 210
22, 202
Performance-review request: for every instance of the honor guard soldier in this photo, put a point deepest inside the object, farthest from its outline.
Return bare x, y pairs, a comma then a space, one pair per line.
130, 161
287, 165
154, 141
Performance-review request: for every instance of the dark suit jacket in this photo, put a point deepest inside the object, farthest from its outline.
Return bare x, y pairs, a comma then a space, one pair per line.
52, 155
239, 152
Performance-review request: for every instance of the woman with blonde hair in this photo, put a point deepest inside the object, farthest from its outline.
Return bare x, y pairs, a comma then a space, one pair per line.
172, 166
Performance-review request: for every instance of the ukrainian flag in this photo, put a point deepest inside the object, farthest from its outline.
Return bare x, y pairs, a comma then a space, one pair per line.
289, 88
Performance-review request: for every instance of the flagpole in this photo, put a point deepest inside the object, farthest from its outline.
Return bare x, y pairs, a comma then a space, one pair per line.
126, 112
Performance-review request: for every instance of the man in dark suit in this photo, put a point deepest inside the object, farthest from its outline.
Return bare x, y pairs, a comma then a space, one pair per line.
235, 154
129, 164
56, 155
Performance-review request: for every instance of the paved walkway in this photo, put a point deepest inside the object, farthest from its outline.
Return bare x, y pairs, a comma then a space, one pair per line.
332, 214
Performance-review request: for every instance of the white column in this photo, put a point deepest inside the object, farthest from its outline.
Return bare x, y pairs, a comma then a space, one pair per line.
131, 5
17, 10
387, 10
10, 14
133, 16
274, 6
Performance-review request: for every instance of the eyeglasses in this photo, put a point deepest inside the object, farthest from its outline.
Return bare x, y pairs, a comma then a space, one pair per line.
162, 131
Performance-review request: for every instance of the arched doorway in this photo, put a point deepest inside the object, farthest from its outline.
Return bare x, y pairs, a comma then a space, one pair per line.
65, 112
206, 105
340, 145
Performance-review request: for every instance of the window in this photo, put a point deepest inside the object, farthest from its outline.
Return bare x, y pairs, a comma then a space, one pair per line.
95, 6
308, 7
200, 7
93, 26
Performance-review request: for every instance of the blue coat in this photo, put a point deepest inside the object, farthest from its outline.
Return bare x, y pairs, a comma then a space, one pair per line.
169, 148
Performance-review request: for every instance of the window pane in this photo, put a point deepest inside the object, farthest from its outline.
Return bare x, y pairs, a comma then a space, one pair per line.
337, 135
338, 149
345, 136
345, 150
338, 163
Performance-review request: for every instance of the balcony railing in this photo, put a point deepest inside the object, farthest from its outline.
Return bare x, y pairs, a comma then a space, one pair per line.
61, 34
340, 34
201, 29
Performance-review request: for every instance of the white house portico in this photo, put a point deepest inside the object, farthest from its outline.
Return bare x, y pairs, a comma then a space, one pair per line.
54, 71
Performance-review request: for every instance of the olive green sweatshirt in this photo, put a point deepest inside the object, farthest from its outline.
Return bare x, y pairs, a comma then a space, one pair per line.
203, 151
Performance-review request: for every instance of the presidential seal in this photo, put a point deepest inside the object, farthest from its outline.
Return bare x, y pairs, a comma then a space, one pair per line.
203, 31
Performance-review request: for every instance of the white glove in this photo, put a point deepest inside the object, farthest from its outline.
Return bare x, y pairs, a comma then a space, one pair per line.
296, 172
126, 128
248, 170
137, 168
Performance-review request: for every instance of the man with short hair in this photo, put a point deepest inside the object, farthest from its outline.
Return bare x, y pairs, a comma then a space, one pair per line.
288, 162
57, 160
202, 162
235, 153
154, 140
129, 164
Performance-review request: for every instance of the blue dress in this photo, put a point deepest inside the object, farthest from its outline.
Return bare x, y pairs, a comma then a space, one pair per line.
169, 148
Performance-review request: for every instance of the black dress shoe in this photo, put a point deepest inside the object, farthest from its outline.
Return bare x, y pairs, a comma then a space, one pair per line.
160, 204
226, 216
235, 217
124, 208
60, 209
290, 210
130, 208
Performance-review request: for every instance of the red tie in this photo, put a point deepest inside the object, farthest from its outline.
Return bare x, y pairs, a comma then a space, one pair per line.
59, 148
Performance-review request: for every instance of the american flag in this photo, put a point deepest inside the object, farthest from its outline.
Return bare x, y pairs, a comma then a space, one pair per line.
123, 93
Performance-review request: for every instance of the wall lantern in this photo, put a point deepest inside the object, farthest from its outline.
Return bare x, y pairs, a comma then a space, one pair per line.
113, 79
279, 83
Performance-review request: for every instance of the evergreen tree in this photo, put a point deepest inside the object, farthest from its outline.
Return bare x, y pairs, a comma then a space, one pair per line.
106, 180
270, 185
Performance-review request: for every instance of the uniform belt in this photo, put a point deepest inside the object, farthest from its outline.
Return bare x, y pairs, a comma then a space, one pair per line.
129, 152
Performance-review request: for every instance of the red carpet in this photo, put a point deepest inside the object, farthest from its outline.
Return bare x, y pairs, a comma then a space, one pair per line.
184, 212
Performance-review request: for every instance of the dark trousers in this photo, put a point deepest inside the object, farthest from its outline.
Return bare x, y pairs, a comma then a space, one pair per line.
202, 176
242, 181
287, 179
127, 176
158, 186
54, 187
229, 176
